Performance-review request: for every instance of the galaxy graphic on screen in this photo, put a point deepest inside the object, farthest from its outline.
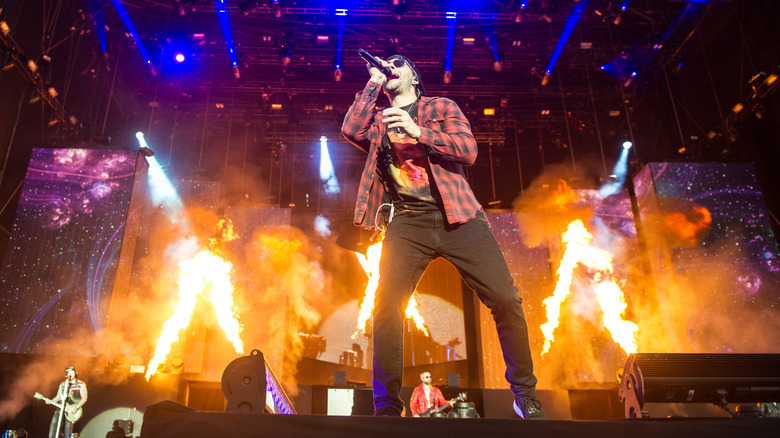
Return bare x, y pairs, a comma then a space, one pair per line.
60, 264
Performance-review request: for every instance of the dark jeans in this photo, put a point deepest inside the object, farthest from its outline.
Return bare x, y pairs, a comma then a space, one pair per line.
412, 241
65, 428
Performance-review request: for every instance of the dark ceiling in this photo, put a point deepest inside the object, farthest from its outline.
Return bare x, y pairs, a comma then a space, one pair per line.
692, 59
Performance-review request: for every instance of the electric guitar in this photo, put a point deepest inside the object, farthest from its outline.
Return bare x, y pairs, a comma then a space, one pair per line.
68, 406
432, 410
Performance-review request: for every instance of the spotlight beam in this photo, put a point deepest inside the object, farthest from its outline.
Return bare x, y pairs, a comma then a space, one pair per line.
571, 22
224, 23
451, 20
125, 16
161, 190
327, 173
619, 172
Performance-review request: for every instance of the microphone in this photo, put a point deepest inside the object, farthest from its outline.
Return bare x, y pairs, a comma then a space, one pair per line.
374, 62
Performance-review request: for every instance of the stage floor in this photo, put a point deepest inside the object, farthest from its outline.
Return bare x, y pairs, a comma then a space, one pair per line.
169, 419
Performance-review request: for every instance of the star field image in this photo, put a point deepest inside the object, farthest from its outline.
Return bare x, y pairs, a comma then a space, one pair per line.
711, 221
59, 267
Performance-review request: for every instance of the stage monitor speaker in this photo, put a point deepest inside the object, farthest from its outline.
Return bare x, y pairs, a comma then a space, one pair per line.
250, 385
243, 384
698, 378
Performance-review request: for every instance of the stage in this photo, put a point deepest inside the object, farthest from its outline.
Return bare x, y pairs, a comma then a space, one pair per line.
168, 419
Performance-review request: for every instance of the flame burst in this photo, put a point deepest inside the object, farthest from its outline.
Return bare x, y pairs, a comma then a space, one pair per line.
609, 296
206, 273
370, 264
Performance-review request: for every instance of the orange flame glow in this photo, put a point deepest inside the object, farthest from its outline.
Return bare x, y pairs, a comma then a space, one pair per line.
370, 264
609, 295
205, 271
685, 226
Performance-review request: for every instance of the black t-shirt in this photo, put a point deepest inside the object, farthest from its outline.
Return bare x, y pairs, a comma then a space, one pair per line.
405, 171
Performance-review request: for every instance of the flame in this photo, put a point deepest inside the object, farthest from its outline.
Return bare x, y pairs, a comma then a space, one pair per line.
414, 314
204, 272
685, 226
370, 264
609, 295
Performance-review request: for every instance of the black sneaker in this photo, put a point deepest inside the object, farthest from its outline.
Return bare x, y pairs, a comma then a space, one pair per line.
387, 411
528, 407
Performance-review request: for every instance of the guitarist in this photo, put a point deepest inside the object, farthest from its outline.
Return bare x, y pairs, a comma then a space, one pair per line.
73, 392
426, 397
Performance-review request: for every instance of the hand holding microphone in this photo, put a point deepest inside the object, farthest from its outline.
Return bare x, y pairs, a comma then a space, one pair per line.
374, 62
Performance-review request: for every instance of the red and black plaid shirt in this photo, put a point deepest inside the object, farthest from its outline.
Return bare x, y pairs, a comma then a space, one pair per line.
445, 133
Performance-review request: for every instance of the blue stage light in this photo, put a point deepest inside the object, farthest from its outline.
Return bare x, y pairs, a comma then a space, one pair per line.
224, 22
571, 22
125, 16
451, 20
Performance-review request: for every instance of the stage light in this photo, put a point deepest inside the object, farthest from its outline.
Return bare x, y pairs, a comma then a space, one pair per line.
144, 148
246, 7
7, 63
176, 365
760, 111
161, 190
618, 173
125, 16
179, 57
34, 96
399, 9
4, 28
337, 74
224, 23
546, 78
179, 7
327, 173
451, 20
737, 108
489, 111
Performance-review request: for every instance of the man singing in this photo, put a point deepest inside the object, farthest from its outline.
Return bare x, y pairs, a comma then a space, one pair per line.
72, 394
413, 187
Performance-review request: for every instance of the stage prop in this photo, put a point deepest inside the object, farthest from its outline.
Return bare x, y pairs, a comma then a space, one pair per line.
250, 386
699, 378
71, 246
709, 241
169, 419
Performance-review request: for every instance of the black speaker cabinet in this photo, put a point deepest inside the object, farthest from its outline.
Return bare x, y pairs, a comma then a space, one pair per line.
243, 383
698, 378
